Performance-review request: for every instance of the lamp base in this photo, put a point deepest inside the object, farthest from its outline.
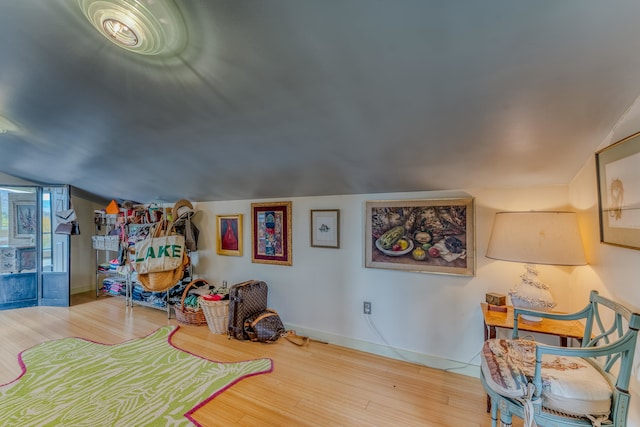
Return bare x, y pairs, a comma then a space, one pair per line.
531, 294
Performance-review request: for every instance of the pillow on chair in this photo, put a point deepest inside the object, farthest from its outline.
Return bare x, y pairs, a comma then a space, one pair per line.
570, 385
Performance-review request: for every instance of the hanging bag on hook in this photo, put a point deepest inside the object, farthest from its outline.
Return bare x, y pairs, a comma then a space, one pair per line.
163, 251
66, 219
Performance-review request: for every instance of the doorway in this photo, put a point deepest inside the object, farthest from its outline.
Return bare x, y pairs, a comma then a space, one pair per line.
34, 261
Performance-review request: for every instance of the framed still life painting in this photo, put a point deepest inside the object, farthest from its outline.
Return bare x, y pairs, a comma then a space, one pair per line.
229, 235
430, 236
618, 169
271, 233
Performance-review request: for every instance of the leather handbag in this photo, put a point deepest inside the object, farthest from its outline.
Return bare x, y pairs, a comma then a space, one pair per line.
68, 228
67, 220
66, 215
264, 326
64, 228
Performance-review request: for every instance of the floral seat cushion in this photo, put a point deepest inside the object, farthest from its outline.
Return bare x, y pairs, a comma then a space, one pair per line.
570, 385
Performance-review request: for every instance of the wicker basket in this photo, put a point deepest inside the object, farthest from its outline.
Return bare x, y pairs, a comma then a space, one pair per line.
216, 313
189, 316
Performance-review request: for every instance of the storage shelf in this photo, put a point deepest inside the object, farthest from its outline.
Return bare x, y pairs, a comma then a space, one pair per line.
104, 225
166, 306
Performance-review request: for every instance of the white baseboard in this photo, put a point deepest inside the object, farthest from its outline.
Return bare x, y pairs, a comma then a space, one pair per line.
391, 352
371, 347
83, 289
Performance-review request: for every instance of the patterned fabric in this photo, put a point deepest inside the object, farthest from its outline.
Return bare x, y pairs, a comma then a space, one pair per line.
245, 299
142, 382
570, 385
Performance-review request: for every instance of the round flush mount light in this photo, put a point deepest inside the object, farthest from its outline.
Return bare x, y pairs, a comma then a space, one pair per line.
119, 32
147, 27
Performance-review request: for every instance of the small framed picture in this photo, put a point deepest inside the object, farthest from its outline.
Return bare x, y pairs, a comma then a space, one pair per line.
325, 228
229, 235
618, 169
271, 233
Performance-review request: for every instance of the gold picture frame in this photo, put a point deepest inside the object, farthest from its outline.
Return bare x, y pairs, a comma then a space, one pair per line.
618, 171
229, 237
432, 235
271, 233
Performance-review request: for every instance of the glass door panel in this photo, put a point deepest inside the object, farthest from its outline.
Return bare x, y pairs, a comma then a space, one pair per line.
19, 224
55, 249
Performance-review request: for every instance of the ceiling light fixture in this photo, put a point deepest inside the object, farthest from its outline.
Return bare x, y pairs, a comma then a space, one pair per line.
146, 27
120, 32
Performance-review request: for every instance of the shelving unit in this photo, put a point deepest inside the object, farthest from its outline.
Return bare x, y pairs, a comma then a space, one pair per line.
153, 300
106, 247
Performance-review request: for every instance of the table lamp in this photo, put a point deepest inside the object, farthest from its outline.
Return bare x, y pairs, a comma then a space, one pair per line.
535, 237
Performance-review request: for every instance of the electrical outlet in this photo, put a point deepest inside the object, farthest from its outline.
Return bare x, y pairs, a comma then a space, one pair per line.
366, 307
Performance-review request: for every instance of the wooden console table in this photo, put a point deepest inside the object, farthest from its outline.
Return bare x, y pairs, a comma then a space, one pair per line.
564, 329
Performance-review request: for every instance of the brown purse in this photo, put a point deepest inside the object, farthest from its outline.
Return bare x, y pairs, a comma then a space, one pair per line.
264, 326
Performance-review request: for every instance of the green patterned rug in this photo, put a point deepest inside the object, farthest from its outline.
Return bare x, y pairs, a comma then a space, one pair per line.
142, 382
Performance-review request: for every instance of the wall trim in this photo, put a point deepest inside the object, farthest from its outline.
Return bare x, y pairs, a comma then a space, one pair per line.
435, 362
88, 288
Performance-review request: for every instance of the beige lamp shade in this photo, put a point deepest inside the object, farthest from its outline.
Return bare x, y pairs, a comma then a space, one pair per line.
537, 238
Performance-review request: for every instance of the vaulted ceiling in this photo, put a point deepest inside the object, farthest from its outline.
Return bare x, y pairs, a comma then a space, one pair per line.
284, 98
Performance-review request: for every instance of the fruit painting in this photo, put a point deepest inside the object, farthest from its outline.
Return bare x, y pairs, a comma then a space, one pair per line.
430, 235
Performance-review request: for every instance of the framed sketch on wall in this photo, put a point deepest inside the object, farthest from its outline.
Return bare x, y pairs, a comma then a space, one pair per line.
23, 219
430, 236
325, 228
618, 169
271, 233
229, 235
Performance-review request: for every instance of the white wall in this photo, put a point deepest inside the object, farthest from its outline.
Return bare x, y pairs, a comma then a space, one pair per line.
425, 318
83, 258
428, 318
614, 271
11, 180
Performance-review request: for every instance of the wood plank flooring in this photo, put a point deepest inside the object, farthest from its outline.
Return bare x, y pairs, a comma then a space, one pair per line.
317, 385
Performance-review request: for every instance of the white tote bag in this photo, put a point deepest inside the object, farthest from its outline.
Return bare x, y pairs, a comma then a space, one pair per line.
161, 252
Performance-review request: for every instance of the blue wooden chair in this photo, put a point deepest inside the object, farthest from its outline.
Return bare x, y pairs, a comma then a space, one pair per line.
565, 386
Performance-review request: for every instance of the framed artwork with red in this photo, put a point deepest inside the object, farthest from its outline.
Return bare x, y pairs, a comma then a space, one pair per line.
271, 233
229, 238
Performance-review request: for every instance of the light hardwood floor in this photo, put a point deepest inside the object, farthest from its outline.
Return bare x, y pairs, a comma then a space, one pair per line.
317, 385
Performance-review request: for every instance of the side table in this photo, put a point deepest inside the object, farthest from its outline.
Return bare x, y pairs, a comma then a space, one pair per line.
564, 329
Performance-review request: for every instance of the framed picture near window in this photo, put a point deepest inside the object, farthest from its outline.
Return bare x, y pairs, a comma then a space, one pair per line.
271, 233
618, 170
229, 235
23, 219
429, 236
325, 228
